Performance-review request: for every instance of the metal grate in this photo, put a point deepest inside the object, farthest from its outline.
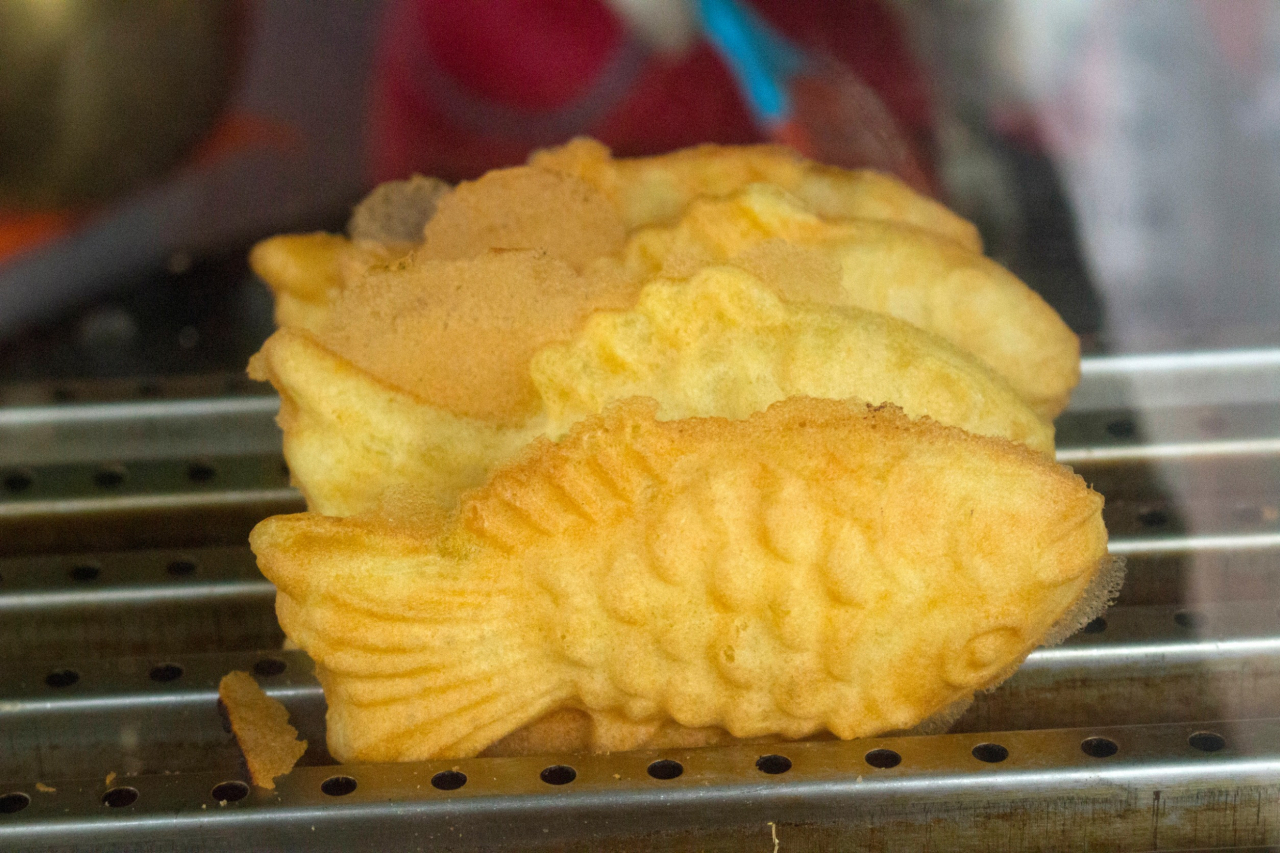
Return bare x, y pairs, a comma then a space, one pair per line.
126, 592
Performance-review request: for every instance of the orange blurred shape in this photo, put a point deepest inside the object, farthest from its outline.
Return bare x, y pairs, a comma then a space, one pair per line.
239, 131
793, 135
22, 231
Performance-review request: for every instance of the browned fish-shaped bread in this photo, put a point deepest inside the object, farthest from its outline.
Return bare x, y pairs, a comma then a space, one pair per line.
819, 566
575, 203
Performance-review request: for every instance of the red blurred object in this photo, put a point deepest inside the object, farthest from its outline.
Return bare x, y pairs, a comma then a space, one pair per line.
463, 87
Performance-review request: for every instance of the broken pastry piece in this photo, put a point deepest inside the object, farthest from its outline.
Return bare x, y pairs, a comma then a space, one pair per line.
261, 726
819, 566
419, 409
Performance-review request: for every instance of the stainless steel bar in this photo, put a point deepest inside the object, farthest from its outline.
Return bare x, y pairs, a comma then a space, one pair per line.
1138, 665
1130, 788
135, 603
150, 503
69, 392
150, 429
1218, 378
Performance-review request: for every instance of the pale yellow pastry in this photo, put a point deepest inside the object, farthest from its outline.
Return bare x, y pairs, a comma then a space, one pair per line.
819, 566
930, 282
480, 388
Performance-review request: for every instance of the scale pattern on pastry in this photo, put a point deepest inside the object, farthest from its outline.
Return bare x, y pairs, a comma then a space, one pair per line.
821, 565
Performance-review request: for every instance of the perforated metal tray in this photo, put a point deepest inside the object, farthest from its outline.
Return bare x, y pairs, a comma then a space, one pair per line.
126, 592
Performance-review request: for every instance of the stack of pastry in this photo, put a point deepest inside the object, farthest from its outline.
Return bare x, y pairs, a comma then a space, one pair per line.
602, 454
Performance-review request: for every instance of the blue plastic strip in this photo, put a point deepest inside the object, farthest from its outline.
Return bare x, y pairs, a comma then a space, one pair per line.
759, 58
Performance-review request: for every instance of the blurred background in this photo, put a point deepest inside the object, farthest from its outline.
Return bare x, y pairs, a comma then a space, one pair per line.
1122, 156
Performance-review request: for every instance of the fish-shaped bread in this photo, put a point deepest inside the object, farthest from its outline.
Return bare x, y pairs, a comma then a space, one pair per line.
575, 203
720, 343
654, 190
819, 566
930, 282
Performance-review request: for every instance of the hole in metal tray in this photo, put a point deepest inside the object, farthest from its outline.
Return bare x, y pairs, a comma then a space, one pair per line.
1207, 741
62, 678
665, 768
230, 792
449, 780
773, 764
338, 786
118, 798
109, 477
84, 572
1099, 747
1121, 428
558, 774
269, 666
181, 568
883, 758
201, 472
1153, 518
14, 802
18, 481
166, 672
1188, 619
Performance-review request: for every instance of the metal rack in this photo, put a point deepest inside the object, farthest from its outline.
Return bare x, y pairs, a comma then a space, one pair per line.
126, 592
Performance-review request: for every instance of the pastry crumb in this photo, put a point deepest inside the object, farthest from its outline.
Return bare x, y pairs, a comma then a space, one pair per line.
261, 726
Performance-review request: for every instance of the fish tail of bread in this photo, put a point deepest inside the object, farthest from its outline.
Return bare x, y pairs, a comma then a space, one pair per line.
821, 565
421, 653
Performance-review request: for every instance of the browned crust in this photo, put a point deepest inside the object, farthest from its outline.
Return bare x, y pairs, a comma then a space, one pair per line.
261, 725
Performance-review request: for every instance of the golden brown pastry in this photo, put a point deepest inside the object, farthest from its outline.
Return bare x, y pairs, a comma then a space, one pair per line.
654, 190
820, 566
575, 203
306, 272
261, 726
